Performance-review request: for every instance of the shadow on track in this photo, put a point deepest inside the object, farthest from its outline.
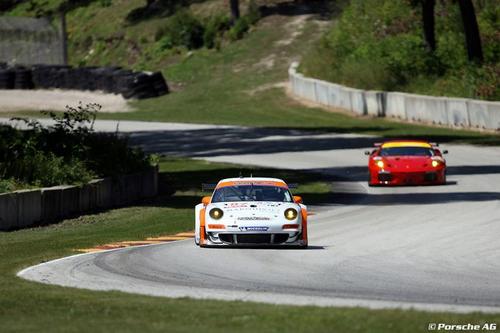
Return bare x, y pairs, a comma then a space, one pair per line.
270, 247
246, 140
427, 198
239, 141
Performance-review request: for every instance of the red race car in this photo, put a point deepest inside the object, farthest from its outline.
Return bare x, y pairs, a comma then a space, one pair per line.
406, 163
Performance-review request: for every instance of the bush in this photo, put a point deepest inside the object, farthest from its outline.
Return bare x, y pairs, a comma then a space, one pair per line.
69, 152
239, 29
9, 185
185, 30
215, 28
253, 12
46, 169
181, 29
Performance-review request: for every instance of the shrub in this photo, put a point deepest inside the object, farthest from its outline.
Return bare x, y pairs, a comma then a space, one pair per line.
68, 152
215, 28
253, 12
239, 29
8, 185
46, 169
181, 29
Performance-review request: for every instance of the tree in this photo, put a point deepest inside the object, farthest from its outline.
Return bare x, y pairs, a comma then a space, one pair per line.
235, 10
429, 23
471, 29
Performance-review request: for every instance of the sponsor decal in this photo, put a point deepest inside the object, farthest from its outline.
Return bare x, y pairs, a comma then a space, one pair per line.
253, 218
236, 205
254, 228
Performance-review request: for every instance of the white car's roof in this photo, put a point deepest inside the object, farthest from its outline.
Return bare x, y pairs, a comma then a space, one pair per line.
252, 179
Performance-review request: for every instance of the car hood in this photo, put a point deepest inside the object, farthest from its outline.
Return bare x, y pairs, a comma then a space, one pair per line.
413, 163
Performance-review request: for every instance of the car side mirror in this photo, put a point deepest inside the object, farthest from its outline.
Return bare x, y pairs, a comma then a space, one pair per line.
367, 152
445, 152
205, 200
297, 199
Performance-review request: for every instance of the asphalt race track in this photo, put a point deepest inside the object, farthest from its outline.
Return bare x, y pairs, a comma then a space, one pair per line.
433, 248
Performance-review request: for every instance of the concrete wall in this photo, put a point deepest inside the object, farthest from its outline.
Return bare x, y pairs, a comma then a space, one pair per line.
451, 112
23, 209
29, 41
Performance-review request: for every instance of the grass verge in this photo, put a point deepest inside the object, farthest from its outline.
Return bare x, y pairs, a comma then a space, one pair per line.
28, 306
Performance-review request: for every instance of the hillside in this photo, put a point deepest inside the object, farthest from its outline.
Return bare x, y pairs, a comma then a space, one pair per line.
129, 33
212, 85
238, 81
379, 45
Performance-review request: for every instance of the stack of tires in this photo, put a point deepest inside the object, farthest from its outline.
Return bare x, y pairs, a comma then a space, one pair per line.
7, 77
130, 84
141, 85
23, 79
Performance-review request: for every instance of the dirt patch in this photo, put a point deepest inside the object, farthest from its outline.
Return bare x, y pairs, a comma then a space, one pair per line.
266, 62
294, 29
267, 86
56, 100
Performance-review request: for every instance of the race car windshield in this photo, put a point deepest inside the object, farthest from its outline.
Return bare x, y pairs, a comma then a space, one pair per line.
407, 151
252, 193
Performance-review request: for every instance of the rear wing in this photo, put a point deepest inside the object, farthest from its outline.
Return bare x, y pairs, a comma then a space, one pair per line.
378, 144
211, 187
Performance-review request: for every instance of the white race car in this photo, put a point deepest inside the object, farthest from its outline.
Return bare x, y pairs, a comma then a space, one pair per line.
249, 212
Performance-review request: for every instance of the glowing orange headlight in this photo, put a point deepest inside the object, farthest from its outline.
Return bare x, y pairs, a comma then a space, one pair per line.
216, 213
291, 214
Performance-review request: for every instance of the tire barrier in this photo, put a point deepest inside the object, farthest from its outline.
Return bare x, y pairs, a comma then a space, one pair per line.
444, 111
116, 80
7, 78
22, 209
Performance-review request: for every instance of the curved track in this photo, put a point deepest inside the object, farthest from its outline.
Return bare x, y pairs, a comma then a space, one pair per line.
432, 248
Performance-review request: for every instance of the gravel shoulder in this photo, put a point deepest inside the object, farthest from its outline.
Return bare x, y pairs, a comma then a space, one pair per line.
56, 100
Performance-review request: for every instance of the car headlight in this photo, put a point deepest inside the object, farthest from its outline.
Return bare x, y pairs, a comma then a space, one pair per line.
380, 164
216, 213
435, 163
291, 214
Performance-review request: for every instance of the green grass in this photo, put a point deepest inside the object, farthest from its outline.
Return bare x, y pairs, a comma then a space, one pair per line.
29, 306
